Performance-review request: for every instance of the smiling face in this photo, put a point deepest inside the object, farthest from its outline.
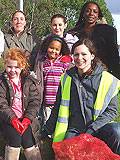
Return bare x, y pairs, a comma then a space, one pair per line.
58, 26
83, 58
12, 69
91, 14
54, 50
18, 22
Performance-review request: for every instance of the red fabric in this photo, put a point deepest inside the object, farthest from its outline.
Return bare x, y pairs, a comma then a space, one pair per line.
83, 147
26, 122
17, 125
66, 59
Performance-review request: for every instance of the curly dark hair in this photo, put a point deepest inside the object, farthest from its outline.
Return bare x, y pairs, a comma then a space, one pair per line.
64, 50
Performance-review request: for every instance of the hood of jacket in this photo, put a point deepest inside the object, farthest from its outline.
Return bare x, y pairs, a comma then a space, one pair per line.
99, 68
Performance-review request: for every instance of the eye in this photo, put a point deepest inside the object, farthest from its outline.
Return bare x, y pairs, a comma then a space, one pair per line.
95, 11
9, 66
16, 67
83, 53
87, 11
54, 25
22, 19
14, 19
76, 55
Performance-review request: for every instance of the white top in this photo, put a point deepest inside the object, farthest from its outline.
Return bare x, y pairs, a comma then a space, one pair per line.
70, 40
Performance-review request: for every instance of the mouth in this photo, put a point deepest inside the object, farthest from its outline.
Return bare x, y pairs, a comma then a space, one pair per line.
12, 74
91, 18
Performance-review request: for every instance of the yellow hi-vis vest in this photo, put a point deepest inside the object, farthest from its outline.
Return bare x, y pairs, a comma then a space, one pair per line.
108, 88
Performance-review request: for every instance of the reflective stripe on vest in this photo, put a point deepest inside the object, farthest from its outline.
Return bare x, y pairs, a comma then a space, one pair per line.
106, 91
63, 115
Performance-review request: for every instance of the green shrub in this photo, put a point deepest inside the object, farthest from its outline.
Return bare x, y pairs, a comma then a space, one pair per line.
1, 65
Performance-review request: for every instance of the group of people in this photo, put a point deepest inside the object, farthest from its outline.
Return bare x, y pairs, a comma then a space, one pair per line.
72, 80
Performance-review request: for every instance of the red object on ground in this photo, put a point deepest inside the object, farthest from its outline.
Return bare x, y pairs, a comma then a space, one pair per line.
83, 147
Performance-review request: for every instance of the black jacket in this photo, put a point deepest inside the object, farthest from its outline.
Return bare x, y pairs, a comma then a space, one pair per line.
105, 38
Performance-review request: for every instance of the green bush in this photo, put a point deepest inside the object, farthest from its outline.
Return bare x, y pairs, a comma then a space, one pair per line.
118, 117
1, 65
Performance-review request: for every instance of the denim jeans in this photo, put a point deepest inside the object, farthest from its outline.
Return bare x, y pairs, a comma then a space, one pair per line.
110, 134
72, 132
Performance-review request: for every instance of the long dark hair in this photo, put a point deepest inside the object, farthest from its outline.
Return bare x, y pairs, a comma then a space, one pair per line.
80, 23
80, 20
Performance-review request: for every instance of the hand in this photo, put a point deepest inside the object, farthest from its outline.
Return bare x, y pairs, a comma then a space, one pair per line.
17, 125
25, 122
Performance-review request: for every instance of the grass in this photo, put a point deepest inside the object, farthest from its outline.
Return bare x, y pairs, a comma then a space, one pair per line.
118, 117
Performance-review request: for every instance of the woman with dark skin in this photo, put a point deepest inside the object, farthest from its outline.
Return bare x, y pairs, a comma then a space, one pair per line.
104, 35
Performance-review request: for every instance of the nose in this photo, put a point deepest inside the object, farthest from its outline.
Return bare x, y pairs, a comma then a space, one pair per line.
57, 27
54, 50
91, 12
13, 69
18, 20
79, 56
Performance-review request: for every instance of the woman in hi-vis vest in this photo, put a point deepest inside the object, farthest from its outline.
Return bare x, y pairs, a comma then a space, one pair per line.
86, 101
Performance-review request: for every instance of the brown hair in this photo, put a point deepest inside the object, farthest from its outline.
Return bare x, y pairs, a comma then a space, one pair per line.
59, 16
18, 11
92, 48
18, 55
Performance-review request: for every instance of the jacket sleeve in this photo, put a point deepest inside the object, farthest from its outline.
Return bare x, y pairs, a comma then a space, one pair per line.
51, 122
32, 100
6, 113
107, 116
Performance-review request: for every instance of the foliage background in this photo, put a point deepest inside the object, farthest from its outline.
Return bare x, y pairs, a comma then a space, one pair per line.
39, 12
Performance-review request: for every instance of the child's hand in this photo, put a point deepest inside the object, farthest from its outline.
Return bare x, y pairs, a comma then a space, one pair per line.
17, 125
26, 122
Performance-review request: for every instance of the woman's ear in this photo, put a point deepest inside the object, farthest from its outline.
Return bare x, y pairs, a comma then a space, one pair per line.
65, 25
92, 56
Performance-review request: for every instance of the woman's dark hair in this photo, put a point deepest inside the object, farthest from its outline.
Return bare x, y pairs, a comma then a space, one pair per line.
80, 21
18, 11
90, 45
44, 46
87, 42
59, 16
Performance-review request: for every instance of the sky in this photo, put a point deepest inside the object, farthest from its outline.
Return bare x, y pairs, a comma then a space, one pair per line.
114, 8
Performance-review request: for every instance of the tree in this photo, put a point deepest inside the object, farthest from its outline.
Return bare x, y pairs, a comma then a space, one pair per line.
39, 12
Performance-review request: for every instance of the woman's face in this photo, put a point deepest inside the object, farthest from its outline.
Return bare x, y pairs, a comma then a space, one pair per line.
12, 69
54, 50
91, 14
83, 58
18, 22
58, 26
